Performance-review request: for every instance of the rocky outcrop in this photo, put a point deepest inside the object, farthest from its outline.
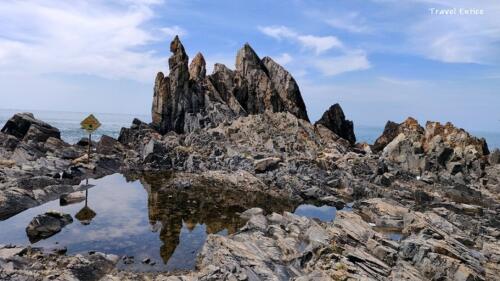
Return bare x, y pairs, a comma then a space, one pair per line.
443, 149
187, 99
45, 225
392, 130
334, 119
25, 126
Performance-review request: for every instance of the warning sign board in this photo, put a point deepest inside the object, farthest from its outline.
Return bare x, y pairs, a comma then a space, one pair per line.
90, 124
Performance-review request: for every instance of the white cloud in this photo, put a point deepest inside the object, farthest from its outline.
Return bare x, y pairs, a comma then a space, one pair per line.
351, 22
278, 32
79, 37
451, 38
400, 82
347, 60
319, 44
173, 31
345, 63
284, 58
459, 39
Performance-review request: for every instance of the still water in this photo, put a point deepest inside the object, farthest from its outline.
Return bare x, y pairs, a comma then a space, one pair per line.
147, 217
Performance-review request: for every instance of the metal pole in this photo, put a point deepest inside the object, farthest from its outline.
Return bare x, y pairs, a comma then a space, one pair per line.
88, 163
90, 142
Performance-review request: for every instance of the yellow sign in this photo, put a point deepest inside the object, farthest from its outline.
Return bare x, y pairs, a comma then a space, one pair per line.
90, 124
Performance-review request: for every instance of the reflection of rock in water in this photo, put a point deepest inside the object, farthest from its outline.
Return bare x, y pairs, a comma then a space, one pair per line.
192, 199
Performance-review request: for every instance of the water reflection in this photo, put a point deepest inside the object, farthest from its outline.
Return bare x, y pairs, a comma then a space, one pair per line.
155, 216
163, 217
202, 205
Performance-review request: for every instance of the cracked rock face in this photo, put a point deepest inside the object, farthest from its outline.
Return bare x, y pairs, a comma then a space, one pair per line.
187, 99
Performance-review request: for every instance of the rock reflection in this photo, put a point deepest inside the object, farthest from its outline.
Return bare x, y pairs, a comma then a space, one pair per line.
187, 200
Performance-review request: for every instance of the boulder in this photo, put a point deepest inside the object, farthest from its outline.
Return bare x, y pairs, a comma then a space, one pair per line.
46, 225
137, 130
71, 198
108, 145
26, 126
334, 119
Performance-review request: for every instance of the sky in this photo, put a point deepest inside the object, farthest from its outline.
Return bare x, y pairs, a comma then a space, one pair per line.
380, 59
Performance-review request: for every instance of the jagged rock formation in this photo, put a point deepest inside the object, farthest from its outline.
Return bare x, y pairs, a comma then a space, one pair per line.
435, 148
187, 99
334, 119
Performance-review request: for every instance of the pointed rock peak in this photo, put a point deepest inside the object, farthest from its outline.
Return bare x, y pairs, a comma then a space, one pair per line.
247, 59
179, 56
197, 68
176, 46
334, 119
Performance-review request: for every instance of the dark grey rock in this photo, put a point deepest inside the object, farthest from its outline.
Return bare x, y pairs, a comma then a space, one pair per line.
334, 119
108, 145
46, 225
389, 133
26, 126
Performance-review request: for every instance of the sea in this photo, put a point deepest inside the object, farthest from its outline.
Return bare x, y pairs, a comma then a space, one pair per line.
69, 125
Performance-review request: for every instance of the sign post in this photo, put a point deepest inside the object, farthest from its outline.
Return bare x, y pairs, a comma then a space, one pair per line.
90, 125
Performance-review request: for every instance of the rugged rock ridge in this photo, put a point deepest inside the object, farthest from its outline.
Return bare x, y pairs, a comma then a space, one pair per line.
187, 99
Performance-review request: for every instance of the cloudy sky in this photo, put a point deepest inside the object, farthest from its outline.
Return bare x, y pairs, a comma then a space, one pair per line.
380, 59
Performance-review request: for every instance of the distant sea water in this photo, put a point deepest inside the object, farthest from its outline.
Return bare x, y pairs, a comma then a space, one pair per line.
69, 122
69, 125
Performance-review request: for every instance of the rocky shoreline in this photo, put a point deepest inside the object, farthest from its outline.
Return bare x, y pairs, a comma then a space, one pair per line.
436, 186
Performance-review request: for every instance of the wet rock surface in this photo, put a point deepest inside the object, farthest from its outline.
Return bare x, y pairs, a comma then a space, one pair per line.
425, 198
46, 225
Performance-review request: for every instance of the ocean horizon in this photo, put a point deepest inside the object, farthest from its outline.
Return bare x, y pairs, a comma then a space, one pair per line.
68, 123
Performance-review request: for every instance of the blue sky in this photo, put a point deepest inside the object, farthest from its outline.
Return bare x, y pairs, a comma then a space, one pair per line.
380, 59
